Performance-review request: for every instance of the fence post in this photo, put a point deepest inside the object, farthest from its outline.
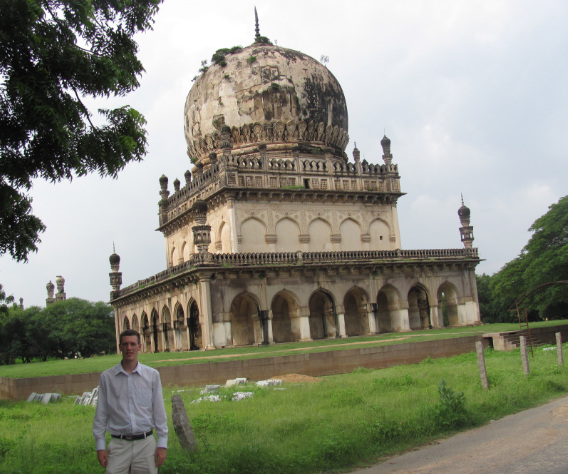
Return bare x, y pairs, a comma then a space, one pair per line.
559, 348
481, 364
524, 355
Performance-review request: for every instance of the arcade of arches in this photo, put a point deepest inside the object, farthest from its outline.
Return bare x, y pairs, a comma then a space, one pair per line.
256, 312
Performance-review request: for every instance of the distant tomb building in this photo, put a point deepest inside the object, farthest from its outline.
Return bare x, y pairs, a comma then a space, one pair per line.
60, 295
275, 235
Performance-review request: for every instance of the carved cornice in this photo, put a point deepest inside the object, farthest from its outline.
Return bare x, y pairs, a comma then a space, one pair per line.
258, 265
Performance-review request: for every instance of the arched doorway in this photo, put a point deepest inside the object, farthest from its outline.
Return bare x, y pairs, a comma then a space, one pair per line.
285, 322
135, 324
323, 319
355, 304
245, 320
125, 323
194, 327
155, 329
168, 332
448, 304
145, 326
418, 308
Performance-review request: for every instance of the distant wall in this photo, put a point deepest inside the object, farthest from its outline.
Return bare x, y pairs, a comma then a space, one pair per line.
314, 364
506, 341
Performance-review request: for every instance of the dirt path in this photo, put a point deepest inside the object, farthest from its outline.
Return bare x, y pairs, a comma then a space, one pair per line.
532, 441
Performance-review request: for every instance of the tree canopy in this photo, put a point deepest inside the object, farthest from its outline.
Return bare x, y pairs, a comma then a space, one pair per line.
53, 55
63, 329
544, 259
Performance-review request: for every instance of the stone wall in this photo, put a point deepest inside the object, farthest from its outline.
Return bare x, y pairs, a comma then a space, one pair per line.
314, 364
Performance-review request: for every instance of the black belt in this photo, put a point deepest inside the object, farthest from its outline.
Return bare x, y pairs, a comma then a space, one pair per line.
134, 437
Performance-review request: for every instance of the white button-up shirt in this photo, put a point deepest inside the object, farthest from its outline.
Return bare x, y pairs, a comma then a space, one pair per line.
130, 404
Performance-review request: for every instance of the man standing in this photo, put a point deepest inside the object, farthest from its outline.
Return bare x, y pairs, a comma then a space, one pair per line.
130, 406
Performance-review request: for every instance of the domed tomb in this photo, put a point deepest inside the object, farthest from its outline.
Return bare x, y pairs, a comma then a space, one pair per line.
267, 95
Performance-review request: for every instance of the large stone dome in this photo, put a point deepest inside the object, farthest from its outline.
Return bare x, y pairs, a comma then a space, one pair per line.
266, 95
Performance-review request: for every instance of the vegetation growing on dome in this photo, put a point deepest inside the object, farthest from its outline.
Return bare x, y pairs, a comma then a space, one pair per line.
251, 59
262, 40
219, 55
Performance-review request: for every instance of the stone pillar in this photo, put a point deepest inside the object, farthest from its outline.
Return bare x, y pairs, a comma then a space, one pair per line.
116, 331
372, 321
206, 311
268, 323
233, 225
403, 319
228, 329
341, 324
305, 334
163, 337
435, 317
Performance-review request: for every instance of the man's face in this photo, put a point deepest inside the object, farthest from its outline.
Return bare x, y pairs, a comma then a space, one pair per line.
129, 347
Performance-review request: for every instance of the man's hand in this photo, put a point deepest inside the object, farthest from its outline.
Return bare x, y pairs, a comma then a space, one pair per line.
103, 457
160, 456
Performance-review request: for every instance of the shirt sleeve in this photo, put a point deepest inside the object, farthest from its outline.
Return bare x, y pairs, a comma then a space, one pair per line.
101, 416
160, 418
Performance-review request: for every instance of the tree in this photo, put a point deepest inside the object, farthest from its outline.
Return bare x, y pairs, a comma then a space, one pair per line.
53, 55
544, 259
63, 329
4, 301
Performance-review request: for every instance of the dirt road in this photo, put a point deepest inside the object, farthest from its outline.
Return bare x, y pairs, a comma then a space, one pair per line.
533, 441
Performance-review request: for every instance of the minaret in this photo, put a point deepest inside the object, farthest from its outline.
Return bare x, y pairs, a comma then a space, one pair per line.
50, 291
466, 231
60, 282
201, 231
164, 194
386, 144
115, 275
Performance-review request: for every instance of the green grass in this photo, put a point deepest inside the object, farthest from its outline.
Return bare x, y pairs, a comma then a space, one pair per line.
164, 359
339, 423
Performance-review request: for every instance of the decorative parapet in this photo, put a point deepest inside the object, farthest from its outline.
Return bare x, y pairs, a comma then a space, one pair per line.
301, 259
261, 172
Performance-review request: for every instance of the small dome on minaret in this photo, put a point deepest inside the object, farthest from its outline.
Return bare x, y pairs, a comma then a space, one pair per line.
386, 143
114, 259
464, 213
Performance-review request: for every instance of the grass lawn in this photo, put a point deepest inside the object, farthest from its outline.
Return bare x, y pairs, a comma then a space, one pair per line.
332, 424
163, 359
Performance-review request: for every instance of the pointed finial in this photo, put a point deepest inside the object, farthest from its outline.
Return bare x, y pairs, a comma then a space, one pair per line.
462, 198
113, 249
256, 29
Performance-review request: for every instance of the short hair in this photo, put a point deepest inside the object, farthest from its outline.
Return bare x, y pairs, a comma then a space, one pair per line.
129, 332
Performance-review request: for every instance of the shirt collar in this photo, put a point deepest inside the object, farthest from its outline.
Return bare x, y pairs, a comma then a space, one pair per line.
119, 369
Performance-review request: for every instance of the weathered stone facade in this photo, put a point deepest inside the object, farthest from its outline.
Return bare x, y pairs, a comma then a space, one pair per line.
276, 236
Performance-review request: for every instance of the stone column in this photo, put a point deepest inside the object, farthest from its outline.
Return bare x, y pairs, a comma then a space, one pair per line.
435, 316
305, 334
206, 311
269, 327
163, 336
341, 324
116, 331
233, 225
372, 320
403, 319
228, 329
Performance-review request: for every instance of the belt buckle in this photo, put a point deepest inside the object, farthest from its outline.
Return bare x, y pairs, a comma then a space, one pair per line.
128, 438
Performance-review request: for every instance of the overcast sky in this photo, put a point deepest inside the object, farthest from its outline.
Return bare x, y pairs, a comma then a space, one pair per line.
473, 95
